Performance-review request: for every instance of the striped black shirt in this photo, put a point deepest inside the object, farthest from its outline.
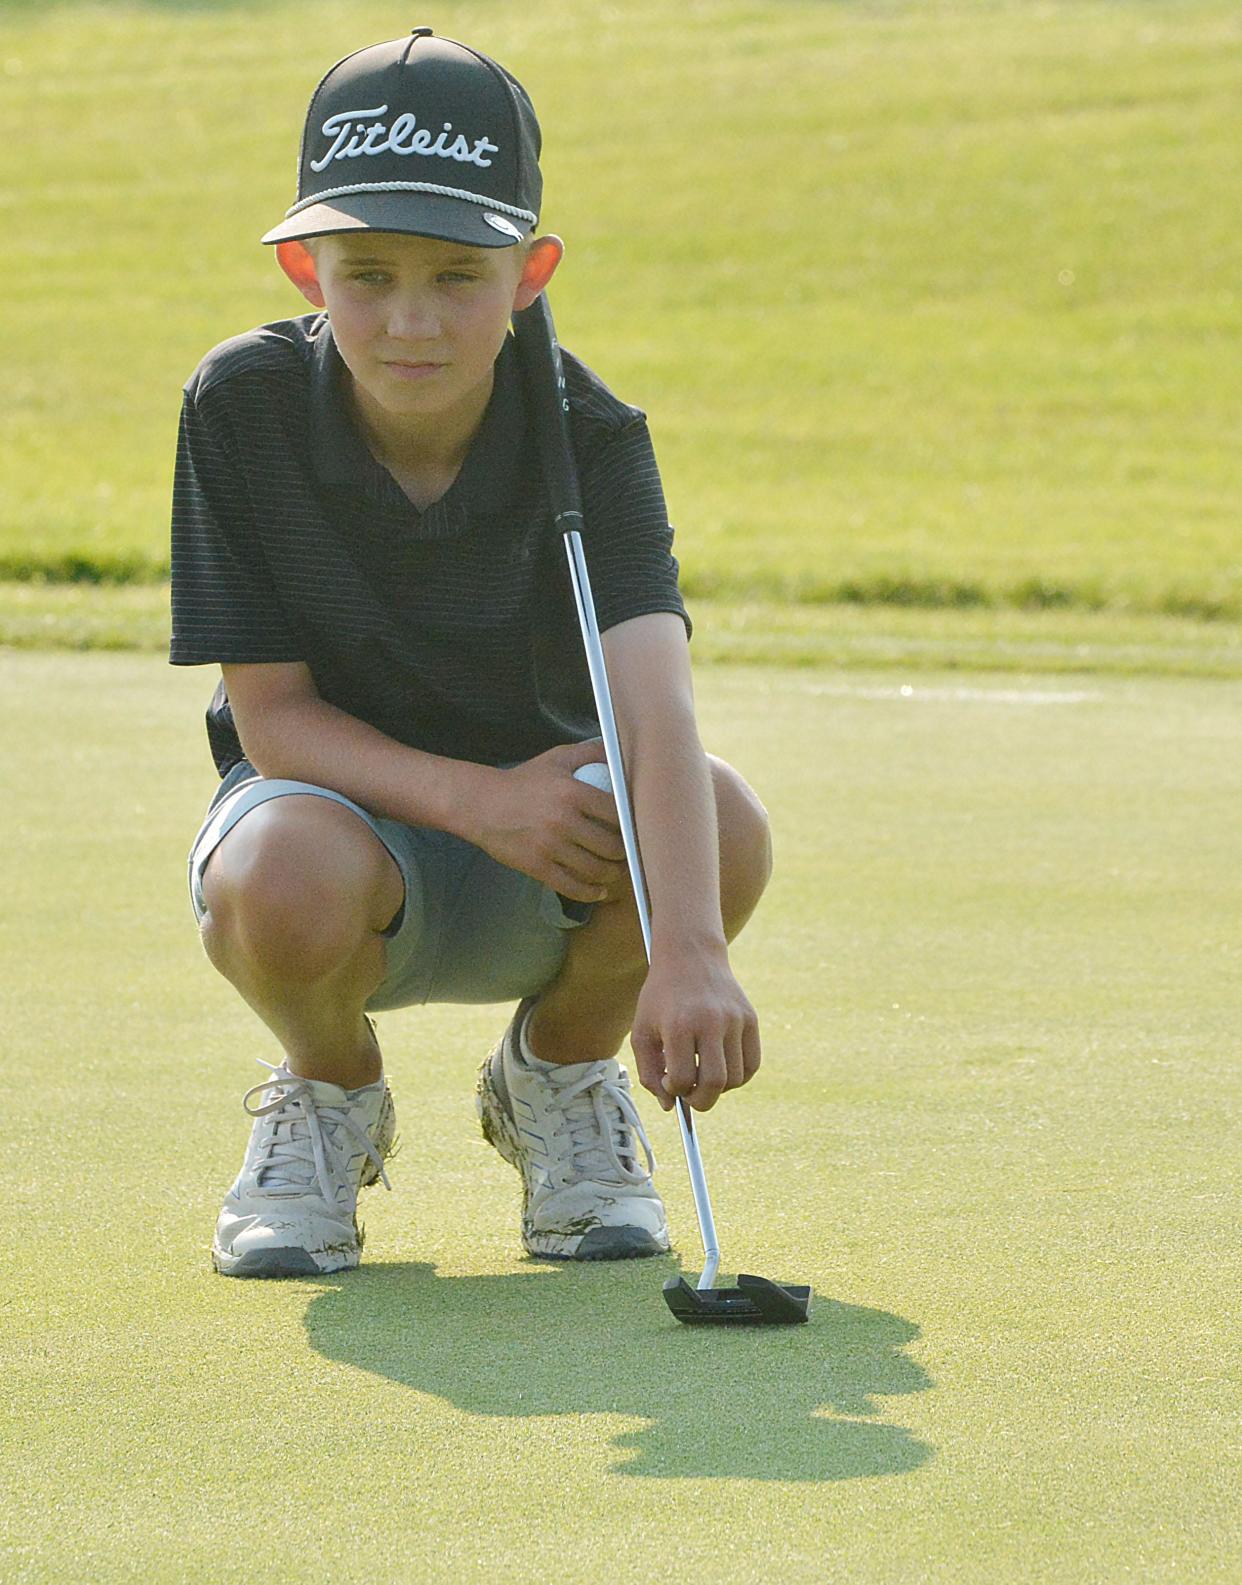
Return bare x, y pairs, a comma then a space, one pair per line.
451, 629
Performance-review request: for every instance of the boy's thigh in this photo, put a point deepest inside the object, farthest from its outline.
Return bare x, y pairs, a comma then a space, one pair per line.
469, 929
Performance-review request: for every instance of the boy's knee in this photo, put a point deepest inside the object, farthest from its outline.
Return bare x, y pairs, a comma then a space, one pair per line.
289, 893
745, 841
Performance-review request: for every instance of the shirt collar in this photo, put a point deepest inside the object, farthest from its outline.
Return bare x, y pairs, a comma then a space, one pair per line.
342, 460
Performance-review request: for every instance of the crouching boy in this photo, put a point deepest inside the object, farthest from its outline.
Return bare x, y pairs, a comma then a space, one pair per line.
362, 543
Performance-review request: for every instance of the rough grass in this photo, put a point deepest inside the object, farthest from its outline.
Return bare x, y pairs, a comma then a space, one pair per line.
929, 304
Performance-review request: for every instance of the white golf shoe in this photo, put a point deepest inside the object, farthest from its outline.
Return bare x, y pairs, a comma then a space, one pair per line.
570, 1132
292, 1210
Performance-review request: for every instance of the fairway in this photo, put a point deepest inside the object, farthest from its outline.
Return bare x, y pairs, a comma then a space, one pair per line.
998, 971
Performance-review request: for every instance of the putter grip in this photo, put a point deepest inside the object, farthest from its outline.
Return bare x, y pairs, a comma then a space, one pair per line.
545, 376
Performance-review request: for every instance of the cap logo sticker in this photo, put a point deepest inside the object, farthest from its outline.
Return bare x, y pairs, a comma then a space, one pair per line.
354, 134
505, 227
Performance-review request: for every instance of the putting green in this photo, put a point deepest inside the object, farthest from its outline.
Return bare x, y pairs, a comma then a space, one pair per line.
998, 971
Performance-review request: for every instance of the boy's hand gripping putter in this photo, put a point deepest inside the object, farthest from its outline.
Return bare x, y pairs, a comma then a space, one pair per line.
755, 1301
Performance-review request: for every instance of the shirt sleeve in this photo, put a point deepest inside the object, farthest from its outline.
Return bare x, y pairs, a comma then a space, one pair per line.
626, 535
224, 604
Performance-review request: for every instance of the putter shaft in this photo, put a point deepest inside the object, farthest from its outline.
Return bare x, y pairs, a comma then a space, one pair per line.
612, 753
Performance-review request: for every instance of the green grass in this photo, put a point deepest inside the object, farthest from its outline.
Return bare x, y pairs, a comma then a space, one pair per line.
997, 972
930, 304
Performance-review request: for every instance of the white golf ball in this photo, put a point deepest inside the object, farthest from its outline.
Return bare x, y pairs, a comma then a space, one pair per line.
595, 775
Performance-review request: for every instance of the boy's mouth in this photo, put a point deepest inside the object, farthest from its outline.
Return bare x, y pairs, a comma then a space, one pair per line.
412, 371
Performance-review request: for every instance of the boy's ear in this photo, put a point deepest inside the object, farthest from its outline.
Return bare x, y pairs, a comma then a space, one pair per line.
299, 266
545, 254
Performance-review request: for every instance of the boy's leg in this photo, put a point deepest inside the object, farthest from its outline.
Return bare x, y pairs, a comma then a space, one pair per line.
294, 896
587, 1011
297, 896
553, 1100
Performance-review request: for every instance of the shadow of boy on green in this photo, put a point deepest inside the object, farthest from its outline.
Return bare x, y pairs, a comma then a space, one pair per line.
741, 1402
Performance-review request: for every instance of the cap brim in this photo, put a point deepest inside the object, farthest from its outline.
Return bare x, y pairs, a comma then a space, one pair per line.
418, 214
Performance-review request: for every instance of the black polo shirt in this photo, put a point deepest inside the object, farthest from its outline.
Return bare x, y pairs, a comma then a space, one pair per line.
451, 629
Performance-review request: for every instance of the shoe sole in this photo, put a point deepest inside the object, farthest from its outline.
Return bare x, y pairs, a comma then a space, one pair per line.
601, 1243
593, 1243
291, 1262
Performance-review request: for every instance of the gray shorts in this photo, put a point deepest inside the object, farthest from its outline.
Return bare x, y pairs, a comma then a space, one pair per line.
470, 930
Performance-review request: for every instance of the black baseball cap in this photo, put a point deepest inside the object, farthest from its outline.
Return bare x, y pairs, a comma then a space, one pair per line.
420, 134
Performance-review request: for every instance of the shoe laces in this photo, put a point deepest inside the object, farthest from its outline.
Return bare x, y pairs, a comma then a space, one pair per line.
599, 1115
301, 1135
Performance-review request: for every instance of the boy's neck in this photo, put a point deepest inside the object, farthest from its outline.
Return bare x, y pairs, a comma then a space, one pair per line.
424, 454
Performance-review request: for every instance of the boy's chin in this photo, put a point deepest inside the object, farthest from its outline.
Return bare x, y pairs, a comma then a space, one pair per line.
399, 394
447, 390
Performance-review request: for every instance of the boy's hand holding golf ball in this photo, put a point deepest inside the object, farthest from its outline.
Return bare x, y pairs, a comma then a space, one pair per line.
546, 819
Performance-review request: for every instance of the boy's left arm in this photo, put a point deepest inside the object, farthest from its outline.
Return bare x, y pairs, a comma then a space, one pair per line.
695, 1033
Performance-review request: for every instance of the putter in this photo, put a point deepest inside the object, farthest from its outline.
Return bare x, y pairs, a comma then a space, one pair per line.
755, 1301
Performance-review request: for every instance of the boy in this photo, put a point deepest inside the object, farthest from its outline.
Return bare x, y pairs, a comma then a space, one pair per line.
362, 543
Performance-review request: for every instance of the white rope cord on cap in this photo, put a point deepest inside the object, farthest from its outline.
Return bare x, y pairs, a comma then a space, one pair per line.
411, 187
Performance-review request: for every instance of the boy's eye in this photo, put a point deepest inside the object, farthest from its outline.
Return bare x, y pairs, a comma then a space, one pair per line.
382, 277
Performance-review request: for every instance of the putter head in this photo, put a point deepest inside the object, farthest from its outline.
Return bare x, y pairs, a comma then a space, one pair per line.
754, 1302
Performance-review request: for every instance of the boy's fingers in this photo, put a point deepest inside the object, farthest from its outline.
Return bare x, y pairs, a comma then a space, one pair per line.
594, 801
592, 870
600, 806
649, 1059
589, 753
698, 1067
712, 1079
601, 841
750, 1047
735, 1062
570, 885
681, 1072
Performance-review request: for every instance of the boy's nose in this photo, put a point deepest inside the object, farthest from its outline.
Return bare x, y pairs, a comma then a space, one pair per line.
413, 317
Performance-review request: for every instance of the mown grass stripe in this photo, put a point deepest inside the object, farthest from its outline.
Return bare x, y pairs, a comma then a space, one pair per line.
793, 588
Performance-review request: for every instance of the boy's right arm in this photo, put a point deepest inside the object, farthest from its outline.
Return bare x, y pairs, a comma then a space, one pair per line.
535, 817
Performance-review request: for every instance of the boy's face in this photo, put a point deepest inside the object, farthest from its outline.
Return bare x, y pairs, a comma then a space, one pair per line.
419, 322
